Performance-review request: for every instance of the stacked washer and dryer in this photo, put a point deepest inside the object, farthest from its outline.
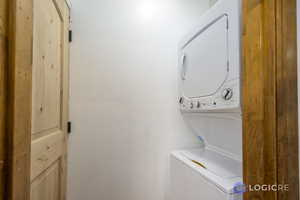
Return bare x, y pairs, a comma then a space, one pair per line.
209, 61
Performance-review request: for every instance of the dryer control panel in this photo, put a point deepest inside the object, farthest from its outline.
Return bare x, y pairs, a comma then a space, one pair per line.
226, 99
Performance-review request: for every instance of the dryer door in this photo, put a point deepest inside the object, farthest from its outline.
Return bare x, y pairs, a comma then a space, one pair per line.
205, 64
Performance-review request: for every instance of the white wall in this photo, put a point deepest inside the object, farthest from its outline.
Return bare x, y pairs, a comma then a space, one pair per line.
123, 96
212, 2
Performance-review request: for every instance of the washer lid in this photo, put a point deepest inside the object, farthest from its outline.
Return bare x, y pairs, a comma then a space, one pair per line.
223, 172
204, 61
218, 164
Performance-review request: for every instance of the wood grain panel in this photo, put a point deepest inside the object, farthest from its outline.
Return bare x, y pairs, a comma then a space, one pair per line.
46, 186
259, 153
50, 94
270, 136
19, 95
3, 70
46, 101
44, 152
287, 127
259, 96
47, 67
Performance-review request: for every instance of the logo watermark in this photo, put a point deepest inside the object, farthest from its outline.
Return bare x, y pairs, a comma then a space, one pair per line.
240, 188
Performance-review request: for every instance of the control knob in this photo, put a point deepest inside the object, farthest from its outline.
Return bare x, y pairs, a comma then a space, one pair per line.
227, 94
192, 105
181, 100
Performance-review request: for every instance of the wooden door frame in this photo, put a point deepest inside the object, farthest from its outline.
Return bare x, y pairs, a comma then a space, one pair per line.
3, 70
270, 103
19, 98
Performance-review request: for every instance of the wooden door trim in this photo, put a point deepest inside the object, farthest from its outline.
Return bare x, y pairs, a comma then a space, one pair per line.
287, 98
19, 98
270, 106
3, 89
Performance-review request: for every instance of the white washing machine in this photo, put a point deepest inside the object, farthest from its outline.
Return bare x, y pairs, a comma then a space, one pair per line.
209, 62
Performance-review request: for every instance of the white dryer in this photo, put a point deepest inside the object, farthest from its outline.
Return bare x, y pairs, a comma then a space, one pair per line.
209, 63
